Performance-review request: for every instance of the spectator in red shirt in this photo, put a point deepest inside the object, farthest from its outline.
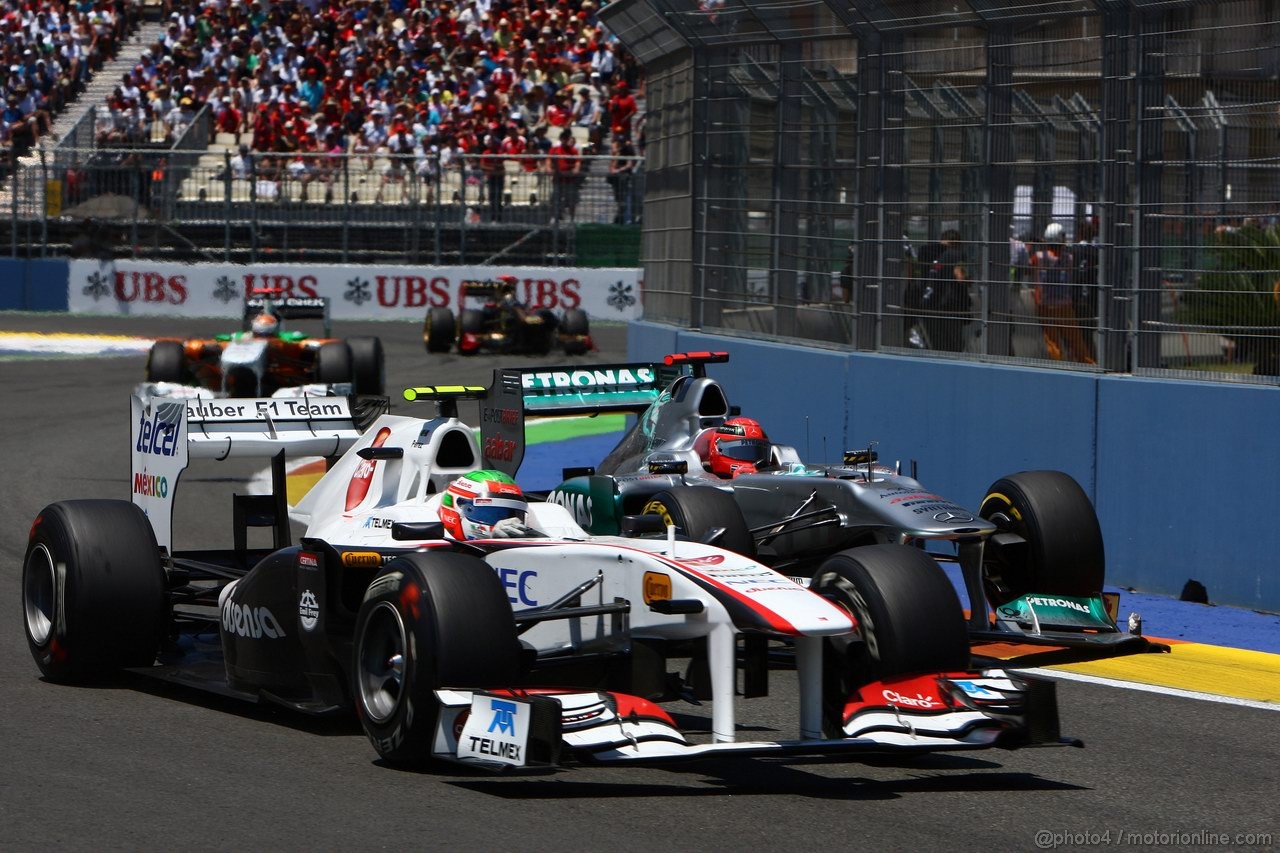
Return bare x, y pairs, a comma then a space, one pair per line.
566, 173
622, 109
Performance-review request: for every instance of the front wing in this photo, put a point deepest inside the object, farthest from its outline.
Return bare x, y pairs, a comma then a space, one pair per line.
502, 729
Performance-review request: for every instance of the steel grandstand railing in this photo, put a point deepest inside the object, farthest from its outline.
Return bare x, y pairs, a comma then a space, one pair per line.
205, 201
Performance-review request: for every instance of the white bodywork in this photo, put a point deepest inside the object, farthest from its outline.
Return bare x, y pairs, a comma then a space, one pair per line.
357, 502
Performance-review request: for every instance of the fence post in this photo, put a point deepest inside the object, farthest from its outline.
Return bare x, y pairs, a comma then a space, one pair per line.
346, 207
133, 225
44, 208
253, 209
466, 215
438, 175
226, 205
13, 194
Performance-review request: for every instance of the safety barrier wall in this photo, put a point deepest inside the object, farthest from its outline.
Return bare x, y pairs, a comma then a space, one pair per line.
36, 285
158, 288
1183, 474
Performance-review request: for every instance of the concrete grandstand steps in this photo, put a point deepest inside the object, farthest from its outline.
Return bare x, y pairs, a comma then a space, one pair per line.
95, 94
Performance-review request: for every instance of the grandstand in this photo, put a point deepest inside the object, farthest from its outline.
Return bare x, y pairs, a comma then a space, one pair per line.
330, 120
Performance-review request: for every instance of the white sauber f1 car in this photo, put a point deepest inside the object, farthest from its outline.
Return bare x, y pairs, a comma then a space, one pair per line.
515, 652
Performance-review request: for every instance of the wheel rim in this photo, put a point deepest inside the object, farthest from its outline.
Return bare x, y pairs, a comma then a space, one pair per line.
657, 507
39, 594
844, 594
381, 662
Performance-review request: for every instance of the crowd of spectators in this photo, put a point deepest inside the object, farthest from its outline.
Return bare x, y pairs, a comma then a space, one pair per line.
48, 51
441, 83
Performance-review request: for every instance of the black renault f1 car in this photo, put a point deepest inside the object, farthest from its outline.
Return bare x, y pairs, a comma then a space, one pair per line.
493, 321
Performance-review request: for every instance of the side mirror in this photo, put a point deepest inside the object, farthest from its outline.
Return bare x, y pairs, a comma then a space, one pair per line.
411, 530
669, 466
642, 525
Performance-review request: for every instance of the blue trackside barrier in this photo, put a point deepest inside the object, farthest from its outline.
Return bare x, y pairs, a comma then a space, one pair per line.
1183, 474
33, 285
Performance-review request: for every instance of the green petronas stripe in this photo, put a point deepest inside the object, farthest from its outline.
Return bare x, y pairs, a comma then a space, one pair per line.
558, 429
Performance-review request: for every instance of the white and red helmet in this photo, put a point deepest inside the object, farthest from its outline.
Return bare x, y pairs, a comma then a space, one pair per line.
738, 446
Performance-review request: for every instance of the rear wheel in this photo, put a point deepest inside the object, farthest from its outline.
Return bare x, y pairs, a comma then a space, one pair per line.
438, 330
695, 510
1064, 553
428, 621
93, 589
333, 363
909, 618
368, 365
471, 321
167, 362
575, 325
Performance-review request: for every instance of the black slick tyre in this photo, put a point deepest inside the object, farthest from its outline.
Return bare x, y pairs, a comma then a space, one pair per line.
333, 362
93, 590
1064, 553
438, 330
167, 362
427, 621
573, 330
695, 510
471, 321
368, 365
909, 620
575, 322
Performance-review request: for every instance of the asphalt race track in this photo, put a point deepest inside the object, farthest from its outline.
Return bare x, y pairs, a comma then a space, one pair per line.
134, 764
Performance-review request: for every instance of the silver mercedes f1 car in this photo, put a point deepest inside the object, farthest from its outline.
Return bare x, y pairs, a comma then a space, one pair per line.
1031, 555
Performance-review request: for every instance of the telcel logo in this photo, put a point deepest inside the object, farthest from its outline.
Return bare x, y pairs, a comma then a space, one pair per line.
158, 434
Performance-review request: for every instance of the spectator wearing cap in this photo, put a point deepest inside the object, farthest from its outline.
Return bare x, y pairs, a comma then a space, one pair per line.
228, 119
622, 109
312, 90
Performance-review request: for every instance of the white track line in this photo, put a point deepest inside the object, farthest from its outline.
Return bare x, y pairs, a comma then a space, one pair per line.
1152, 688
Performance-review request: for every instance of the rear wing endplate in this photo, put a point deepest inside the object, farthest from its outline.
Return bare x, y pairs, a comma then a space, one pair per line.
561, 391
166, 433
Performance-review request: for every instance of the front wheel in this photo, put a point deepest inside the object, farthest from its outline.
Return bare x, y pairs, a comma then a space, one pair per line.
428, 621
909, 620
333, 363
1064, 553
438, 330
696, 510
93, 589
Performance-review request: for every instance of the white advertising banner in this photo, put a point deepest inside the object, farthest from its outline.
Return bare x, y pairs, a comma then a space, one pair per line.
145, 288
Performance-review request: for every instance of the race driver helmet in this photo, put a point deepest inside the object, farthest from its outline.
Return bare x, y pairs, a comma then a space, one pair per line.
738, 446
477, 503
265, 325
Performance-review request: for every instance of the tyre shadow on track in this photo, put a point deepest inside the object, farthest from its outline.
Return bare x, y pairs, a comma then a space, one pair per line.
748, 777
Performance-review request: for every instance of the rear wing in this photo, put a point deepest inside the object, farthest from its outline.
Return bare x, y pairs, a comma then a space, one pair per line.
481, 289
287, 307
166, 434
568, 390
